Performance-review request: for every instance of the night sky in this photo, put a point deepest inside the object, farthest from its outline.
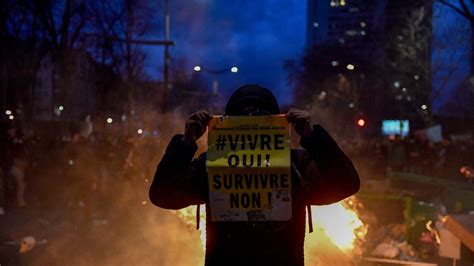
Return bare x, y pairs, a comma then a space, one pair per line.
256, 36
450, 66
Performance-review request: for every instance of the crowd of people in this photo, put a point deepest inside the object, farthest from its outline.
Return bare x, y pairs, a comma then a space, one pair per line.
445, 159
83, 196
82, 169
81, 173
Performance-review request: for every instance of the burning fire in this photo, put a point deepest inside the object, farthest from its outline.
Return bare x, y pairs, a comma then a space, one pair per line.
341, 224
337, 227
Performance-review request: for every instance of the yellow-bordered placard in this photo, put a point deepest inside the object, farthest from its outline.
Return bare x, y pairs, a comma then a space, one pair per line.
249, 168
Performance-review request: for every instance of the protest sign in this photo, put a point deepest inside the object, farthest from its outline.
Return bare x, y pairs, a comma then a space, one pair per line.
248, 166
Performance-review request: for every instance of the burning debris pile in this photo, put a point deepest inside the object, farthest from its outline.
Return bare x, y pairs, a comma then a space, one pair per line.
388, 241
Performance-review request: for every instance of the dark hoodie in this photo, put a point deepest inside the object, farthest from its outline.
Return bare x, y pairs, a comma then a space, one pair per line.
252, 95
321, 174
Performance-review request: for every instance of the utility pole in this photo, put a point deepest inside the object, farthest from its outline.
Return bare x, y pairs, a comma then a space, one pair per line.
166, 43
166, 85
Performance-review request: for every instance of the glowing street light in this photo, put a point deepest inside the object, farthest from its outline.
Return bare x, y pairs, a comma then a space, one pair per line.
11, 117
60, 108
361, 122
8, 112
140, 131
350, 66
424, 107
215, 73
109, 120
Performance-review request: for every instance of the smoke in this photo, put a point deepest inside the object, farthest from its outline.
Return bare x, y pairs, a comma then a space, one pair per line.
92, 203
116, 224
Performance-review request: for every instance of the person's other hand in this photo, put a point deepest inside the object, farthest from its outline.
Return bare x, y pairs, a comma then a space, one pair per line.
301, 121
196, 126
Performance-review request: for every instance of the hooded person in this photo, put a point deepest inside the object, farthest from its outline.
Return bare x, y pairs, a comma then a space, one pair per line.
320, 174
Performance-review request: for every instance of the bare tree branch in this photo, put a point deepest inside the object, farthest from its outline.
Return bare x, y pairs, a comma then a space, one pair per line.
455, 8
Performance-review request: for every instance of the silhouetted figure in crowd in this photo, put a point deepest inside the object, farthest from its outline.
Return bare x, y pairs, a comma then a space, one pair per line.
4, 166
397, 155
321, 174
19, 163
79, 174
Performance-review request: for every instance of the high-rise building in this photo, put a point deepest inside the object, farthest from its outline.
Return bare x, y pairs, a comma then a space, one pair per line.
355, 24
393, 35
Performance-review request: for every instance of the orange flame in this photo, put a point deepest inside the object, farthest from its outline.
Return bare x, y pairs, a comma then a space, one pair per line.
341, 224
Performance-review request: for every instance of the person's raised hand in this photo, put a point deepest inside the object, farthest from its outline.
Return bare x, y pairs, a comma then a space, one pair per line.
301, 121
195, 127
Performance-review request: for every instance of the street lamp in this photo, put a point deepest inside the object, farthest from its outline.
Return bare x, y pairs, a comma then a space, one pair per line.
215, 73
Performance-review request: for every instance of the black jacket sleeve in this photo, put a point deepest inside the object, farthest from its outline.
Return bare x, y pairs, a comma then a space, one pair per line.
330, 173
178, 178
